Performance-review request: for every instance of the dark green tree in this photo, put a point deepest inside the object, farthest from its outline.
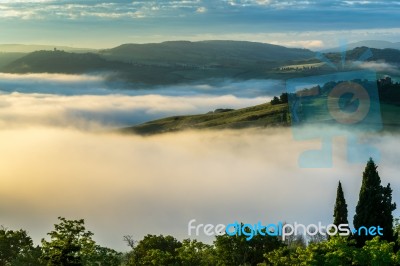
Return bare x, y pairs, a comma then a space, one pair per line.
70, 244
104, 257
275, 100
237, 250
374, 207
155, 250
195, 253
16, 248
340, 210
284, 97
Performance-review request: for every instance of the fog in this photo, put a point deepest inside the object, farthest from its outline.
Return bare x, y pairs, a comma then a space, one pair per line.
137, 185
382, 67
53, 163
101, 84
93, 112
89, 101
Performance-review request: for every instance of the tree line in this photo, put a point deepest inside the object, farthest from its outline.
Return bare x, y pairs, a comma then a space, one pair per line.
70, 243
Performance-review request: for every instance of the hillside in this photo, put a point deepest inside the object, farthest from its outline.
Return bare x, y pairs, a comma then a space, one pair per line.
188, 62
264, 115
168, 62
60, 62
387, 55
8, 58
206, 52
29, 48
377, 44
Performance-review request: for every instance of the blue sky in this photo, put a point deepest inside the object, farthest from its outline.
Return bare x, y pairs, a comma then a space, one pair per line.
101, 24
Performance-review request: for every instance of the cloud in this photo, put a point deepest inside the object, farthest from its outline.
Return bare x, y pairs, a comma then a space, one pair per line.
312, 44
99, 111
92, 102
201, 9
157, 184
63, 84
56, 163
381, 67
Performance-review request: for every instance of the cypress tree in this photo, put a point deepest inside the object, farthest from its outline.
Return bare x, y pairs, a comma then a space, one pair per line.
340, 210
374, 207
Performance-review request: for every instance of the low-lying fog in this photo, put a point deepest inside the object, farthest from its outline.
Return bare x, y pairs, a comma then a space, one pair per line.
51, 166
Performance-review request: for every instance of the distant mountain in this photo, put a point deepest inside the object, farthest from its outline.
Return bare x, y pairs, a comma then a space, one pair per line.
168, 62
206, 52
186, 62
60, 62
23, 48
369, 43
387, 55
7, 58
259, 116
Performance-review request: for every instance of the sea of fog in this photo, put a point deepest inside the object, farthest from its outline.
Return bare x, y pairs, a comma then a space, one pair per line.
83, 101
55, 163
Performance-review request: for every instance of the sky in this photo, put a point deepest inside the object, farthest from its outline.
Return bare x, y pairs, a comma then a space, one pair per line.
101, 24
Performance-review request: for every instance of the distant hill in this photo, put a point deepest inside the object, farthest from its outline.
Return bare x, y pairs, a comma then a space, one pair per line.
187, 62
206, 52
7, 58
168, 62
368, 43
387, 55
264, 115
24, 48
60, 62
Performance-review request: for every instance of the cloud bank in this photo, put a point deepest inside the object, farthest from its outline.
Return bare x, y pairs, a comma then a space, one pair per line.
138, 185
55, 164
93, 112
89, 102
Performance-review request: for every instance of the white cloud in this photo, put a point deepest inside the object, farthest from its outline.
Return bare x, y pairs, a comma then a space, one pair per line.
86, 102
201, 9
381, 67
312, 44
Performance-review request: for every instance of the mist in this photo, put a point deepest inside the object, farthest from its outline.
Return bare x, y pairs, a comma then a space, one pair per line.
132, 185
90, 102
102, 84
57, 159
96, 112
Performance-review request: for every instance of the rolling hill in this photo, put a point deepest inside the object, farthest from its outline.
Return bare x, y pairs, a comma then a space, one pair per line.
206, 52
29, 48
61, 62
187, 62
376, 44
264, 115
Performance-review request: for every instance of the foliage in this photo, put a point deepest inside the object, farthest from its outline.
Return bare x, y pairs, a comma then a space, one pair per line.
236, 250
16, 248
340, 210
155, 250
374, 206
69, 243
195, 253
282, 99
337, 251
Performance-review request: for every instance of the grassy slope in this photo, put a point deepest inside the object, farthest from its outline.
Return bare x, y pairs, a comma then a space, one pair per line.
263, 115
7, 58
